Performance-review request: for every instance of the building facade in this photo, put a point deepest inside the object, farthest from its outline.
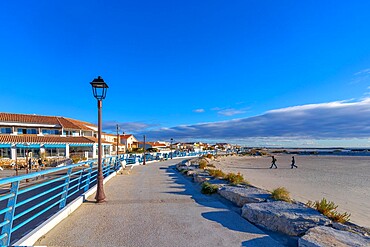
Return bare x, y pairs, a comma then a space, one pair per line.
48, 136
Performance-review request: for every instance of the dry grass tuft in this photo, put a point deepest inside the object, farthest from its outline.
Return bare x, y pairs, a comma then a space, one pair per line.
235, 178
217, 173
281, 194
208, 188
329, 209
203, 164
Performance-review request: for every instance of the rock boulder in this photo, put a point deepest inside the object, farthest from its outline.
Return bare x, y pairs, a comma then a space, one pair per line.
243, 195
288, 218
327, 236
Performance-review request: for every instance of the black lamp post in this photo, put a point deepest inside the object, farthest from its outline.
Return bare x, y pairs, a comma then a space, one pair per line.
99, 88
171, 147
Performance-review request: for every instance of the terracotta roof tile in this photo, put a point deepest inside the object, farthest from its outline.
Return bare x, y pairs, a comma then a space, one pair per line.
66, 123
77, 124
27, 118
125, 136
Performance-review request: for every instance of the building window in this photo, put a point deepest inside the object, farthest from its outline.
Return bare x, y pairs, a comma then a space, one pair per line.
55, 152
27, 131
70, 133
5, 130
22, 153
50, 132
5, 153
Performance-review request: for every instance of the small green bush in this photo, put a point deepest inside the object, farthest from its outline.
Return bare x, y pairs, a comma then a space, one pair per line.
217, 173
329, 209
281, 194
235, 178
202, 164
208, 188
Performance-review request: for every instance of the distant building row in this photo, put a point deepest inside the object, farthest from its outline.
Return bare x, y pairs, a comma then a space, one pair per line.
54, 136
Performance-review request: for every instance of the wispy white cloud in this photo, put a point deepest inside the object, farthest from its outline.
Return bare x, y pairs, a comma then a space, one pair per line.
127, 127
230, 112
340, 119
199, 110
363, 72
361, 76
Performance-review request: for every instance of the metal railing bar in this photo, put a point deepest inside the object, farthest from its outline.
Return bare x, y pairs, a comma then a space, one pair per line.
71, 194
72, 187
36, 215
74, 179
7, 209
41, 185
34, 174
38, 195
36, 206
3, 235
5, 222
2, 198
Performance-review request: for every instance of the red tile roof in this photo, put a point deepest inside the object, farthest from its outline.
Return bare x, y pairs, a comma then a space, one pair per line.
125, 136
28, 118
66, 123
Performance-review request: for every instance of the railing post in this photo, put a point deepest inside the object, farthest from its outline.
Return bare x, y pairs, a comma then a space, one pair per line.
87, 186
7, 229
65, 189
116, 163
79, 178
110, 166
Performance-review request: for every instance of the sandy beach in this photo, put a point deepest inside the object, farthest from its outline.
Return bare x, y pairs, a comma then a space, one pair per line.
342, 179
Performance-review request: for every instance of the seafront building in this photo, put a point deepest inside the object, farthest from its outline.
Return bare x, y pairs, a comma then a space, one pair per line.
52, 136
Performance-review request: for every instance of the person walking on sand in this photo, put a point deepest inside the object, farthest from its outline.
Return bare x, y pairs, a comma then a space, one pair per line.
293, 163
273, 163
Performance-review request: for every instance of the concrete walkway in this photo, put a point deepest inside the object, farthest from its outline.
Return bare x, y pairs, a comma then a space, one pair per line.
155, 206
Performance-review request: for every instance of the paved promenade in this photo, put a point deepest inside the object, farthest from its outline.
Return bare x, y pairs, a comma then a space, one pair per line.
155, 206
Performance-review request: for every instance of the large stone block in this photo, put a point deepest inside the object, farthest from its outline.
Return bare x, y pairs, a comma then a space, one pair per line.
243, 195
288, 218
326, 236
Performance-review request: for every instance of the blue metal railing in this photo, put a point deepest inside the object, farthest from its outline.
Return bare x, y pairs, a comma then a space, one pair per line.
45, 193
28, 200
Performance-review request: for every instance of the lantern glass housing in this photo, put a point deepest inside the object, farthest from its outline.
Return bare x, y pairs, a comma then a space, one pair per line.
99, 88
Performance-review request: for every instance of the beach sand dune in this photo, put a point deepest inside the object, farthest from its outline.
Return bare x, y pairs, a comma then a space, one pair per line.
345, 180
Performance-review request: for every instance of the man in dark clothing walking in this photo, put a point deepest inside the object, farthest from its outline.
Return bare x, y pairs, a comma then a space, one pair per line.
293, 163
273, 163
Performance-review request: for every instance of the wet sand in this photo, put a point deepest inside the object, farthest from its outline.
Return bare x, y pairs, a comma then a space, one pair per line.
342, 179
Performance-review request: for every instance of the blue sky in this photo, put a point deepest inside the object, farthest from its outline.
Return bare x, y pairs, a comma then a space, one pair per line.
183, 63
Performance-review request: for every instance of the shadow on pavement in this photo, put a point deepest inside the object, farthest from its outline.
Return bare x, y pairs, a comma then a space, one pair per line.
228, 216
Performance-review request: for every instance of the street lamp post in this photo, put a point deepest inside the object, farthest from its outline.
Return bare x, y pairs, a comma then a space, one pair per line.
144, 152
171, 147
117, 140
99, 88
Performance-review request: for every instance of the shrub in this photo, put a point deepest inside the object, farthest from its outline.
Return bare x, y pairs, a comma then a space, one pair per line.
202, 164
235, 178
208, 188
217, 173
281, 194
329, 209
